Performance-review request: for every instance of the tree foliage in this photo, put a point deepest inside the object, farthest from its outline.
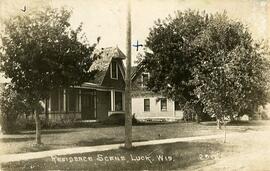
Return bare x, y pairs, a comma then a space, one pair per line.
41, 52
207, 60
12, 105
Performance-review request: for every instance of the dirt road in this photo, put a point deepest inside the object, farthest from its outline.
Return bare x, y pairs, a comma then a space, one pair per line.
248, 152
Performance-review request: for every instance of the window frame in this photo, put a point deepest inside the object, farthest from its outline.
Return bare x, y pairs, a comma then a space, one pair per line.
74, 95
59, 95
142, 80
122, 101
116, 70
177, 106
161, 108
144, 105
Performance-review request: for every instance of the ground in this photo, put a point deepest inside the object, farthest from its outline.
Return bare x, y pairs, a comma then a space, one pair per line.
249, 151
99, 135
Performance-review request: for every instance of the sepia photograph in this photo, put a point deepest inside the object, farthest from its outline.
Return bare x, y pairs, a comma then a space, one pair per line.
135, 85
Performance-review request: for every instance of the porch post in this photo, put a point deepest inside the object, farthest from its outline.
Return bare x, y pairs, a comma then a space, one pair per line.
174, 112
112, 100
49, 104
123, 101
80, 100
64, 100
59, 99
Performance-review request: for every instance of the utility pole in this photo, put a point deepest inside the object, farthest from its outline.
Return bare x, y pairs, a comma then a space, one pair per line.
128, 116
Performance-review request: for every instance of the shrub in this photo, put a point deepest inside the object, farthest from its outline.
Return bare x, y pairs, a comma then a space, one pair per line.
118, 119
12, 105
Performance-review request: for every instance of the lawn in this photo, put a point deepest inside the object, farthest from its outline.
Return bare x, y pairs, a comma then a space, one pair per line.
155, 157
99, 135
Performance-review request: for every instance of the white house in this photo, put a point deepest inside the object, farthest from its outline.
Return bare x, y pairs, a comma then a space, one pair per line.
148, 106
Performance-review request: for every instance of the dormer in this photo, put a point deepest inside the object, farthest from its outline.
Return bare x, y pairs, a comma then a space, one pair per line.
114, 70
145, 76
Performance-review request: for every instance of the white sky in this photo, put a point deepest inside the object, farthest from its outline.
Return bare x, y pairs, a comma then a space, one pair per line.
107, 18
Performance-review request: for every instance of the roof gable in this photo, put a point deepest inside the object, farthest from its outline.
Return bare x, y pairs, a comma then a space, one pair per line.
135, 72
102, 63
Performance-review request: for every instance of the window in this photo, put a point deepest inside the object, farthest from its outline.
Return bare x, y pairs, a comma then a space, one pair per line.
145, 78
54, 100
163, 104
61, 99
72, 98
118, 101
177, 105
57, 100
146, 105
114, 70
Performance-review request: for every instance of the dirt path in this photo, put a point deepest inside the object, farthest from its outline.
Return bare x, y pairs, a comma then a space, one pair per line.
248, 152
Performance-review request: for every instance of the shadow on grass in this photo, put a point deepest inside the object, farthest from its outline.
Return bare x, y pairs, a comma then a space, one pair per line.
68, 130
245, 123
8, 140
32, 148
235, 123
103, 141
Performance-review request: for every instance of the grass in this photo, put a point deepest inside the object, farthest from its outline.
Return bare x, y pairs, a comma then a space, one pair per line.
155, 157
72, 137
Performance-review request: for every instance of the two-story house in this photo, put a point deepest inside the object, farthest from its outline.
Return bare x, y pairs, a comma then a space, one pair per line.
148, 106
95, 100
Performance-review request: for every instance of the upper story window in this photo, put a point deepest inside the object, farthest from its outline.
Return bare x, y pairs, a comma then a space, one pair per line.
163, 104
114, 70
145, 79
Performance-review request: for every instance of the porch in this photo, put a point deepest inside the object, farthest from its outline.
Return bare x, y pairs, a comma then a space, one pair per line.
81, 104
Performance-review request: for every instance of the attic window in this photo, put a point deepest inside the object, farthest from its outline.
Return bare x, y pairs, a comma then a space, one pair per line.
114, 70
145, 78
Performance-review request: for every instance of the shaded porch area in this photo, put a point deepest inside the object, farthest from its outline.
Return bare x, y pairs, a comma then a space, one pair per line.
81, 104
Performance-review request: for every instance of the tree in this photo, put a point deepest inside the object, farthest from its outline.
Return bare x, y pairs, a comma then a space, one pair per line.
12, 105
41, 52
208, 62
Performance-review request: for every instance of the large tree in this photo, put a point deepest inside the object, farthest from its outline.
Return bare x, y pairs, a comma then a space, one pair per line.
41, 52
208, 63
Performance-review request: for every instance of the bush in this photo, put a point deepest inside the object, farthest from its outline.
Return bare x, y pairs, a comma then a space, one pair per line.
24, 123
12, 105
118, 119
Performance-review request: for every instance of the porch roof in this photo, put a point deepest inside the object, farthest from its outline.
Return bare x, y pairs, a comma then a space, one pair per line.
95, 86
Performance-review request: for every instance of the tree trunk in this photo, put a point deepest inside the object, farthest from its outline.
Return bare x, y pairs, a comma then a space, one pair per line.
224, 124
38, 132
199, 111
198, 119
218, 123
231, 118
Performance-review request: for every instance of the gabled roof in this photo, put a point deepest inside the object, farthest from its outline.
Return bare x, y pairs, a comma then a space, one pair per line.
102, 63
135, 70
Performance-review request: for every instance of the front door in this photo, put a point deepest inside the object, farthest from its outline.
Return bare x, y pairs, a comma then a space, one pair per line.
88, 105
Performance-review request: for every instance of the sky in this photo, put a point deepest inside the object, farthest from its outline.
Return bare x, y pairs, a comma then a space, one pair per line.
107, 18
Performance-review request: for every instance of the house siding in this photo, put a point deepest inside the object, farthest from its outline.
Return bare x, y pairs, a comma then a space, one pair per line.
140, 93
155, 109
119, 83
